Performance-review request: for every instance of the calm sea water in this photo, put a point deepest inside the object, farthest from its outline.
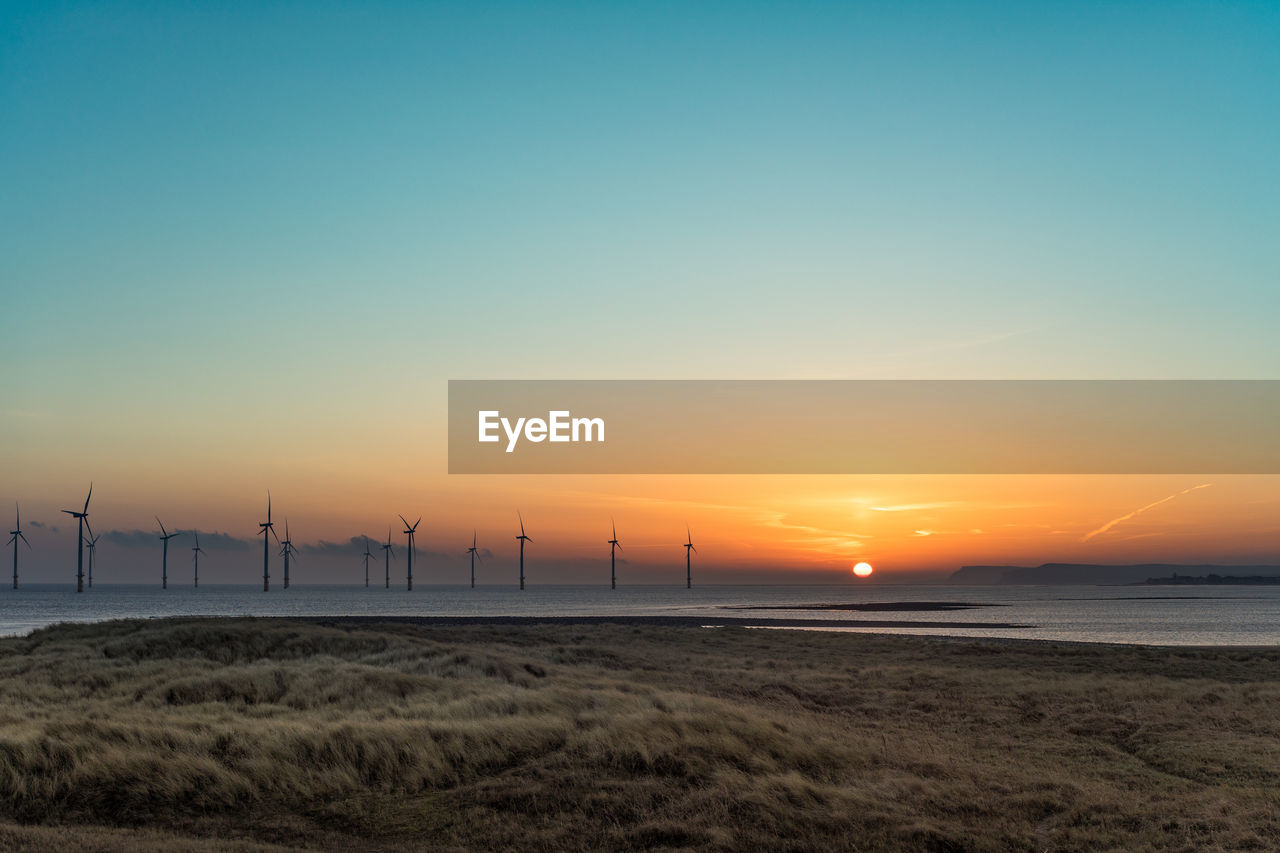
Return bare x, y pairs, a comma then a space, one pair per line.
1147, 615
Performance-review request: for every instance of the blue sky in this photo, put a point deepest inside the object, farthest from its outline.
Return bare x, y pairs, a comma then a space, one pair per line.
798, 188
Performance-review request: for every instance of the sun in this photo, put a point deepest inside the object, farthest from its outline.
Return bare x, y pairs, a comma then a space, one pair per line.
862, 570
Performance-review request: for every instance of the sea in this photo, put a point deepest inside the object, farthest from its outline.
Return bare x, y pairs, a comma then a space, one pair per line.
1142, 615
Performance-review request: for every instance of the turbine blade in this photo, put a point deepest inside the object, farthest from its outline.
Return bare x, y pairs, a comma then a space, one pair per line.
86, 500
87, 526
24, 539
161, 523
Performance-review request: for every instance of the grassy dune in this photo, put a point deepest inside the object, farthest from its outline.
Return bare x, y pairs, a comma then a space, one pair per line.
240, 734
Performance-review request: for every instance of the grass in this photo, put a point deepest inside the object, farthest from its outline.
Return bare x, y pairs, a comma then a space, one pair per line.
267, 734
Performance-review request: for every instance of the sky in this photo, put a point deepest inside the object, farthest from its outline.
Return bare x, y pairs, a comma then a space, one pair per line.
244, 246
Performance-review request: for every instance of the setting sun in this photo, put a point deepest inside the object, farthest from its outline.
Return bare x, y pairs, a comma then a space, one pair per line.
862, 570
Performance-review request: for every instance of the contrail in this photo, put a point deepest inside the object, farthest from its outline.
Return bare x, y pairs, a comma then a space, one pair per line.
1113, 522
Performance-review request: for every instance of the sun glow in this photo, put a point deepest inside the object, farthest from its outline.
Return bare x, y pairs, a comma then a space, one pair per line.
862, 570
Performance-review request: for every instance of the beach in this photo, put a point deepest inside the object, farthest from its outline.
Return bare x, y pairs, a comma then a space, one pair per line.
367, 734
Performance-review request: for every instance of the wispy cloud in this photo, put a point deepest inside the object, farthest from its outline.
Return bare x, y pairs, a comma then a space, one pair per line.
961, 344
913, 507
1113, 522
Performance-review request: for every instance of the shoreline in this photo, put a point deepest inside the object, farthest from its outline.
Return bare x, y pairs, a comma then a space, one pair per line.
891, 630
658, 620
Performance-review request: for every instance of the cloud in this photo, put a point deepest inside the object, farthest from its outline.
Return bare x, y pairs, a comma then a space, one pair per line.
912, 507
353, 546
211, 541
959, 344
215, 541
40, 525
1113, 522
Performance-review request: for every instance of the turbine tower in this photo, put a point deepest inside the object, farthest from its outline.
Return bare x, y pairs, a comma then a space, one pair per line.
15, 536
523, 539
688, 565
195, 558
82, 518
474, 555
287, 549
367, 555
410, 532
165, 536
266, 553
613, 547
92, 545
388, 551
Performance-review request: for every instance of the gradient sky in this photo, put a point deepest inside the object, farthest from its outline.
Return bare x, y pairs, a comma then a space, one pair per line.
244, 245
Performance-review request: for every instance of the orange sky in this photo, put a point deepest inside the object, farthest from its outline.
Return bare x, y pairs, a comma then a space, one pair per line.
745, 527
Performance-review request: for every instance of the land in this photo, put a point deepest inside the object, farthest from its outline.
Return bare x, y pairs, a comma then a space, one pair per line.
1214, 580
871, 606
271, 734
1091, 573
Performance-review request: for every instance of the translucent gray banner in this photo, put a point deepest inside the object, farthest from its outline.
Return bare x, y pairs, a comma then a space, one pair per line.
864, 427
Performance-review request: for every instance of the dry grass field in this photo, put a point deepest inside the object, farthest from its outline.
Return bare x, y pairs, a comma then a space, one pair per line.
267, 734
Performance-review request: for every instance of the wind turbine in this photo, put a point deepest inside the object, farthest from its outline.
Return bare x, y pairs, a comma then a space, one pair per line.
523, 539
688, 567
287, 549
388, 551
410, 531
266, 554
613, 547
195, 557
16, 535
165, 536
92, 545
82, 519
474, 556
367, 555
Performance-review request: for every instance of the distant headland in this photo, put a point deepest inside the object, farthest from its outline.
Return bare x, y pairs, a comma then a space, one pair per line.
1092, 573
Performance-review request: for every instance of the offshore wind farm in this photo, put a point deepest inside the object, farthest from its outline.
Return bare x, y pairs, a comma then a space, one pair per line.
288, 551
1089, 611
